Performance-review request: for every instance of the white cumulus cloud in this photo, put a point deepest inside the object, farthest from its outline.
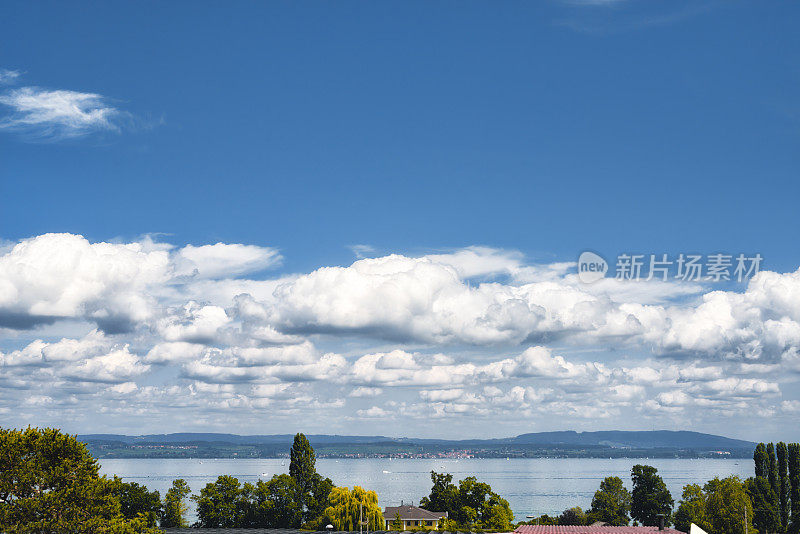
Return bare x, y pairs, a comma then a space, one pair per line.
477, 333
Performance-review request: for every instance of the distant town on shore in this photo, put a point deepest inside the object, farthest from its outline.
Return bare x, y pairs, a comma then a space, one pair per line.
565, 444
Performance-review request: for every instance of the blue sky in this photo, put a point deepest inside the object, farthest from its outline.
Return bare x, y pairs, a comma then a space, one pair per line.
533, 130
547, 127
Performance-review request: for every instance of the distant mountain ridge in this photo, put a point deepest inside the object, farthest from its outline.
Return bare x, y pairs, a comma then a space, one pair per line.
211, 437
636, 439
647, 439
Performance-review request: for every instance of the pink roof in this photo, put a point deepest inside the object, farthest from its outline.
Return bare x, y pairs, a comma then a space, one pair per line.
553, 529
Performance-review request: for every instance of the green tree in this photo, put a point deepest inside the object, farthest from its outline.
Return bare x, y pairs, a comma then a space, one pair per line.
136, 500
793, 465
772, 471
650, 496
761, 460
727, 505
448, 525
275, 504
611, 503
763, 489
444, 494
479, 504
50, 483
572, 516
316, 502
775, 486
221, 504
302, 463
766, 516
471, 496
467, 516
692, 509
174, 508
783, 484
470, 504
397, 522
497, 514
347, 508
312, 489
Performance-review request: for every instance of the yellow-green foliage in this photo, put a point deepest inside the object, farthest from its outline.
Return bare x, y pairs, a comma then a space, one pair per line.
50, 483
173, 512
727, 505
719, 506
397, 522
345, 506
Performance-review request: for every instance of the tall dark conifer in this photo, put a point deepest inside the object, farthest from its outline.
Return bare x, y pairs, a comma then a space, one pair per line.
766, 515
302, 465
761, 460
772, 477
783, 484
773, 468
794, 483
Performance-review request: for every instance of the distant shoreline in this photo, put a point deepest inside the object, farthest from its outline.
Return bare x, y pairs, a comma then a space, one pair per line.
566, 444
421, 459
610, 455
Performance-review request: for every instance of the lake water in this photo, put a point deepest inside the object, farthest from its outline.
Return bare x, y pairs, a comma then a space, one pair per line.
532, 486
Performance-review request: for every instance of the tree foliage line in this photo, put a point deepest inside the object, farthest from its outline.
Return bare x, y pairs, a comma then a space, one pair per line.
646, 504
766, 503
50, 483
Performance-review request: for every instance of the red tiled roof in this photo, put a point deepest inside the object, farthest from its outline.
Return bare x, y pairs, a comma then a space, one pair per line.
554, 529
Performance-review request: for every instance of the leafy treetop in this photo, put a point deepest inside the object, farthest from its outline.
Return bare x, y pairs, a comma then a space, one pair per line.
650, 497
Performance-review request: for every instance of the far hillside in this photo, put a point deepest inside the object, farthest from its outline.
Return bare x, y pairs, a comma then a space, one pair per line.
567, 444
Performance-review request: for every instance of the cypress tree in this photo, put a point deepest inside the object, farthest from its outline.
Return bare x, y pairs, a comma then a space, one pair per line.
761, 460
772, 476
783, 484
773, 468
766, 516
794, 483
302, 466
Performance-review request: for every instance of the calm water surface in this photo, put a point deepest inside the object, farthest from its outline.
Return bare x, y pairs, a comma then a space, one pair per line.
532, 486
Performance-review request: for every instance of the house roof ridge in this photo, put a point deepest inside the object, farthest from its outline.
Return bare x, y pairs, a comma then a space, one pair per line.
410, 512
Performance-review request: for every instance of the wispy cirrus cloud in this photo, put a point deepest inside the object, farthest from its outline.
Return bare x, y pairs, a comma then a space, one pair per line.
8, 76
594, 2
43, 113
612, 16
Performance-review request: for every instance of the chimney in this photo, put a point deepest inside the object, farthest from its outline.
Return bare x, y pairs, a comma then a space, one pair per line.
660, 522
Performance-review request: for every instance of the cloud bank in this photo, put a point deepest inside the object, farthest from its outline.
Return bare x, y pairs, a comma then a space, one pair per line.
203, 335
